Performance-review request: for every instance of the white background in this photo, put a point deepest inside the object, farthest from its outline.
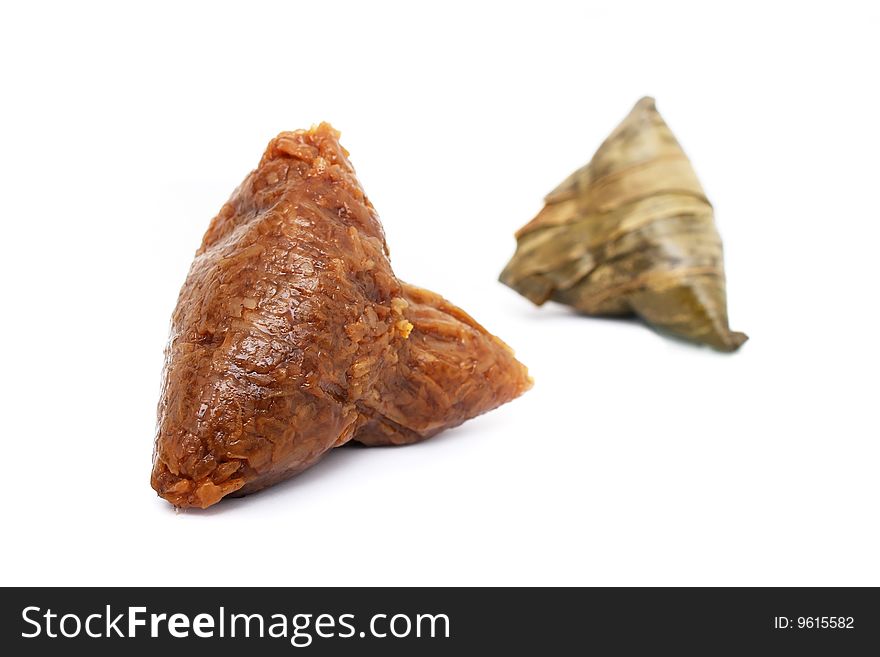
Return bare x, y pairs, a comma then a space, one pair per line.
634, 460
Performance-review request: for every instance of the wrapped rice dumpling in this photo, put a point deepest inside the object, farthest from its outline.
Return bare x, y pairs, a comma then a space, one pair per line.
631, 232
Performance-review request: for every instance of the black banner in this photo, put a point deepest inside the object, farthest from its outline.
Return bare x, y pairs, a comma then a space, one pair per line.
441, 621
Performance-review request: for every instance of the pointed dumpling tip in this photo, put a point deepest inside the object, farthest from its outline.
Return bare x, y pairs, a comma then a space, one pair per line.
735, 340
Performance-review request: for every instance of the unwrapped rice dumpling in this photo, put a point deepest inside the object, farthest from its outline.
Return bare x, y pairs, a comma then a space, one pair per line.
631, 232
292, 336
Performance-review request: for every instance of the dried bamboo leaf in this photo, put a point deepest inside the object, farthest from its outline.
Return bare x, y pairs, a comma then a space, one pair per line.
630, 232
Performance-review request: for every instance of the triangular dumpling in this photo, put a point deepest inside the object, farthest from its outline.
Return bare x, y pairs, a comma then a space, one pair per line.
631, 232
292, 335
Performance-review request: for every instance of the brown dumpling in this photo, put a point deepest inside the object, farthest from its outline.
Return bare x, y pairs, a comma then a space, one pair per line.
292, 335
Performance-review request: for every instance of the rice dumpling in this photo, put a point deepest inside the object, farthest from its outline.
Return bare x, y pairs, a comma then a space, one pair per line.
630, 232
292, 336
